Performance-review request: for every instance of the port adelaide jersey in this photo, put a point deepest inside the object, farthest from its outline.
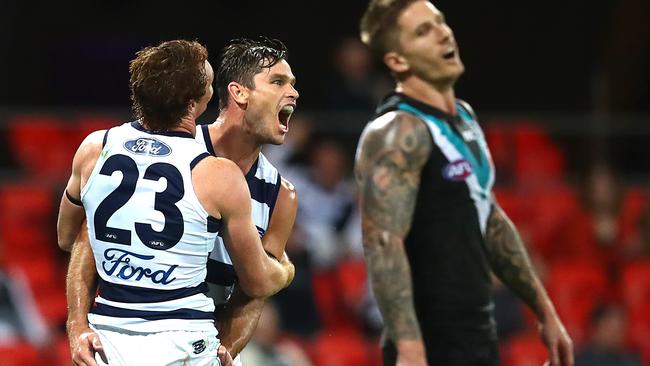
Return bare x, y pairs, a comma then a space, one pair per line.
445, 245
263, 181
150, 235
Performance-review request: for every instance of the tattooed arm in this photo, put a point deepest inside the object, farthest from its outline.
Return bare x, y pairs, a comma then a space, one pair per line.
391, 153
509, 260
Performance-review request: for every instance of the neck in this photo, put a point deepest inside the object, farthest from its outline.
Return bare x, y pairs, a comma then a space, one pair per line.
441, 97
186, 124
231, 141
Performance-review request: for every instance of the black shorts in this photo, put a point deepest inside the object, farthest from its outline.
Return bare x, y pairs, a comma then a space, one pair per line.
450, 353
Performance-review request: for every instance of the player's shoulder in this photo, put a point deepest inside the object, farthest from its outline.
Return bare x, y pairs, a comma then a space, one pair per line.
394, 117
217, 180
391, 126
397, 135
288, 189
91, 145
222, 167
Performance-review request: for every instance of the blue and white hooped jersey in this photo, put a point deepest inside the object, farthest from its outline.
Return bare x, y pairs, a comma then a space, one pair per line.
264, 185
150, 234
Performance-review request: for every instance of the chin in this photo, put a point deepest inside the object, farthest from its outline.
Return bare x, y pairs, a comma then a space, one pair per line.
277, 140
273, 139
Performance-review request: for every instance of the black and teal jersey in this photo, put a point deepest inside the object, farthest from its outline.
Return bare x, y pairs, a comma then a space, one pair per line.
445, 246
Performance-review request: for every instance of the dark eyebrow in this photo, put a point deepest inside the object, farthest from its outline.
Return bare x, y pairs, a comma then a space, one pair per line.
423, 26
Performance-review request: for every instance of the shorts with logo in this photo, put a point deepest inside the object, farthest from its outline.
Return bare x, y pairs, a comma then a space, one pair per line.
125, 348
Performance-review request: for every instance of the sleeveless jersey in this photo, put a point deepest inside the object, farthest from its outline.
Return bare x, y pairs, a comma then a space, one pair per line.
150, 234
263, 181
445, 246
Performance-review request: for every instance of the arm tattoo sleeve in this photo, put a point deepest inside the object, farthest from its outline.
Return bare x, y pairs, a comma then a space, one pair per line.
509, 259
389, 160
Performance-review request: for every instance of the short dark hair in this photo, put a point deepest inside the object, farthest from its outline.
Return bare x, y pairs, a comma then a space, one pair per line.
165, 79
242, 58
378, 28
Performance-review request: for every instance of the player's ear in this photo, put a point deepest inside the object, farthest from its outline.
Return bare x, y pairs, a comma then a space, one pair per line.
238, 92
395, 62
192, 107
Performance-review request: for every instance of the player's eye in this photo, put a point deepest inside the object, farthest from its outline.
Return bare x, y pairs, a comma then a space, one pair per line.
423, 30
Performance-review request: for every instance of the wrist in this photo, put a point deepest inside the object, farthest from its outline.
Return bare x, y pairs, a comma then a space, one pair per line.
547, 312
410, 346
76, 325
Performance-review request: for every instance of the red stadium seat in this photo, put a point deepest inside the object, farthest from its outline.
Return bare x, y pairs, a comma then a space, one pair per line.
341, 348
19, 354
24, 242
25, 201
47, 284
499, 137
635, 283
525, 350
88, 124
40, 145
352, 280
334, 312
551, 207
538, 158
62, 355
576, 288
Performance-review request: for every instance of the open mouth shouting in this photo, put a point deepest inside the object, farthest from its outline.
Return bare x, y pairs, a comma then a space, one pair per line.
450, 53
284, 115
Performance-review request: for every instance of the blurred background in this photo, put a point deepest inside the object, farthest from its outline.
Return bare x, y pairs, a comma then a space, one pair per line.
562, 90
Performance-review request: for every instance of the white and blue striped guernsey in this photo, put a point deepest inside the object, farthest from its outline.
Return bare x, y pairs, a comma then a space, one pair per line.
264, 184
150, 234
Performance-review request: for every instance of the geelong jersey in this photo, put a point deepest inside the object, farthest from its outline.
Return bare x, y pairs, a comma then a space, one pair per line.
445, 246
264, 184
150, 234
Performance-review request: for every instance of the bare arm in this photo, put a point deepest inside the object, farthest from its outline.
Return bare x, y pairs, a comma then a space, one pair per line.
81, 283
72, 215
509, 260
228, 198
390, 157
72, 236
239, 319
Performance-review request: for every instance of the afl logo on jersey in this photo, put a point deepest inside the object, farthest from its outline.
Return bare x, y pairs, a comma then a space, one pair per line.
457, 170
147, 146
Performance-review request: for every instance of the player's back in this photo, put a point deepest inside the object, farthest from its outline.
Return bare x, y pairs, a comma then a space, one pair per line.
150, 234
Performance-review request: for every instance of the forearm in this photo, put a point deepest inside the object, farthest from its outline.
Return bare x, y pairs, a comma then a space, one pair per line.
283, 273
80, 283
510, 262
390, 275
238, 321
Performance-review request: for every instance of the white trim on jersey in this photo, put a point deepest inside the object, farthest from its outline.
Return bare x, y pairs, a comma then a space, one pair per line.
196, 302
481, 198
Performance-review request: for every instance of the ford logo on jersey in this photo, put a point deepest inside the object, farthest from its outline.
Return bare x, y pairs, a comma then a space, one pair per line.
457, 170
118, 262
147, 146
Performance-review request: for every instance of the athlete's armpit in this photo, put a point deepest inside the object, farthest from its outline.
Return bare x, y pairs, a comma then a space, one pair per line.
509, 259
392, 151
